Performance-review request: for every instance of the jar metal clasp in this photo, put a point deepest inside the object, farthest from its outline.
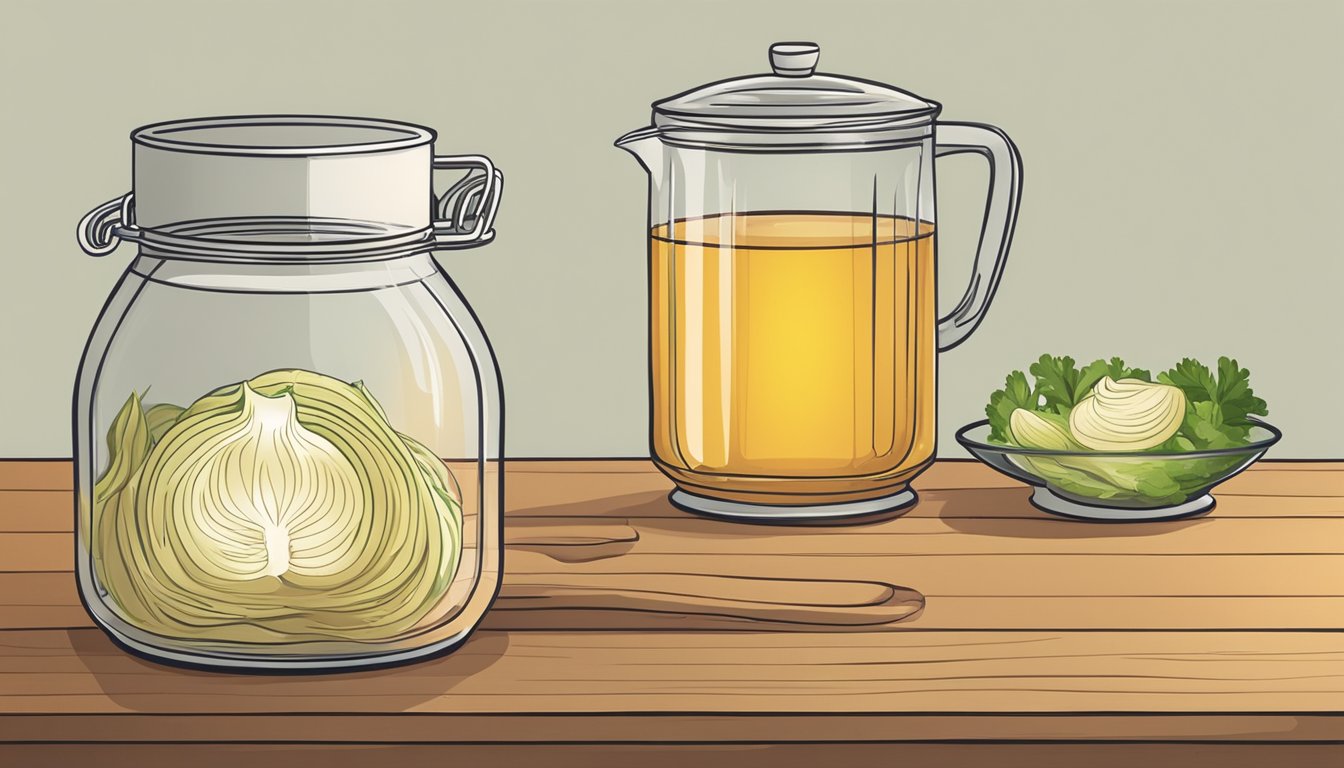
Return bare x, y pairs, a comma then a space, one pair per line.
103, 228
465, 214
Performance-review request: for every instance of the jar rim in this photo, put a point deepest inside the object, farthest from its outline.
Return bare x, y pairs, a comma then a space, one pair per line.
282, 135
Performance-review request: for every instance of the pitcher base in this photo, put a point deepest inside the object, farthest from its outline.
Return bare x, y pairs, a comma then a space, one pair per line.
790, 513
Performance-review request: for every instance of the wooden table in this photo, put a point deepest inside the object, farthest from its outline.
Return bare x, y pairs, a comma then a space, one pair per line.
630, 633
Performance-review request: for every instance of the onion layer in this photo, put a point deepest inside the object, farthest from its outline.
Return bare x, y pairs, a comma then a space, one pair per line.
1033, 430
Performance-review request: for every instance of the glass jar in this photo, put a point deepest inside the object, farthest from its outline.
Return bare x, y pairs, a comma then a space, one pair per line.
288, 421
794, 332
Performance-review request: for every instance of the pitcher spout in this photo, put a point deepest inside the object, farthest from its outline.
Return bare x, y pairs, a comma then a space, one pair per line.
647, 148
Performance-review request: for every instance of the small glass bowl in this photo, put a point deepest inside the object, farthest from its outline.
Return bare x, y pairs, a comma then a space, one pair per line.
1119, 486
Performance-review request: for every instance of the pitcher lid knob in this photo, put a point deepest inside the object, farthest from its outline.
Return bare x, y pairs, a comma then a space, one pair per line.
794, 59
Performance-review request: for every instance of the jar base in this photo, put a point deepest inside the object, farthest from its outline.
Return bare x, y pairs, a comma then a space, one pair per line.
280, 665
789, 513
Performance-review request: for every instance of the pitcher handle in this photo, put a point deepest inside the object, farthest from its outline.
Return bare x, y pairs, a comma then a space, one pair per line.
996, 229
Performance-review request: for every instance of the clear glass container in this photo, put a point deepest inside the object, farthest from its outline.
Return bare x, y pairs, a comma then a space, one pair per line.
793, 327
331, 496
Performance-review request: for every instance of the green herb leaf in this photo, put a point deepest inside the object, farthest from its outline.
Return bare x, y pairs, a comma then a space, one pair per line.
1235, 395
1206, 427
1016, 393
1217, 407
1117, 370
1059, 382
1194, 379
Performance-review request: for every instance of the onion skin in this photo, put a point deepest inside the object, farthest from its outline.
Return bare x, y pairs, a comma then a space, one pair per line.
1127, 415
278, 510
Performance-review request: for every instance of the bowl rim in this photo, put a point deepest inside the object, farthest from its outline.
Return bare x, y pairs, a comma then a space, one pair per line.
1255, 445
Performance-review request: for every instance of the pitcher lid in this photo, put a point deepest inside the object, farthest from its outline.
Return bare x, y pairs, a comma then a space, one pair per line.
795, 99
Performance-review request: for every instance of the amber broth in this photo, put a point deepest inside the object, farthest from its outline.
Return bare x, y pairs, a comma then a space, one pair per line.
793, 345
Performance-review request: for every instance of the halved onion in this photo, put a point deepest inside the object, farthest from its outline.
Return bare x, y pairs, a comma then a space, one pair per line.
280, 509
1127, 415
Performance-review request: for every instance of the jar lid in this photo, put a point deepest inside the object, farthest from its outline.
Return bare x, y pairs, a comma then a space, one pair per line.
301, 186
795, 99
282, 135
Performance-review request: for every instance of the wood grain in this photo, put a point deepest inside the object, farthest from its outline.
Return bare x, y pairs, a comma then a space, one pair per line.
36, 475
81, 671
38, 600
671, 727
624, 619
677, 755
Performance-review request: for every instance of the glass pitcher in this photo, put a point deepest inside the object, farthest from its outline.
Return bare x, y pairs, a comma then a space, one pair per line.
288, 422
793, 325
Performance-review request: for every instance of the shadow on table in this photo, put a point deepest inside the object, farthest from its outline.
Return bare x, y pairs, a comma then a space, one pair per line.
137, 684
1007, 512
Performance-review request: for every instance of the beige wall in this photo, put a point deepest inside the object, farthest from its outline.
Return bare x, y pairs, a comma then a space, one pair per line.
1183, 174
